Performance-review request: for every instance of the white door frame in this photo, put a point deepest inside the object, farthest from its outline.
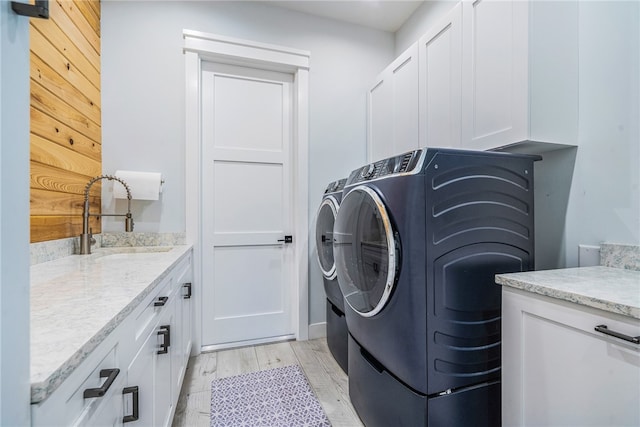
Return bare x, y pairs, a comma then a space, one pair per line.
199, 47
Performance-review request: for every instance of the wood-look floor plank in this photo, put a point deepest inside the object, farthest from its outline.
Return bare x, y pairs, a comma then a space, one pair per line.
201, 370
237, 361
331, 367
196, 412
275, 355
336, 406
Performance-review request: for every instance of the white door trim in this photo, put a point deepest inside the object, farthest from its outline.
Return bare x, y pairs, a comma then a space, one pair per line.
199, 47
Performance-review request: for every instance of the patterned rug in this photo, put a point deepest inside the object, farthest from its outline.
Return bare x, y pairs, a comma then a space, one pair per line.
279, 397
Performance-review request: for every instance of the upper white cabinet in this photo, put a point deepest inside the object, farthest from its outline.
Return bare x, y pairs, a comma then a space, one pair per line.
393, 108
440, 79
520, 73
491, 73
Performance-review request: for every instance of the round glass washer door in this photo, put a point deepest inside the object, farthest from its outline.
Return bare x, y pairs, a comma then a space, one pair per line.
325, 220
365, 251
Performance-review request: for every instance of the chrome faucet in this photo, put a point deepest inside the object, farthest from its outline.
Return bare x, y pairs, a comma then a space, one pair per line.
86, 238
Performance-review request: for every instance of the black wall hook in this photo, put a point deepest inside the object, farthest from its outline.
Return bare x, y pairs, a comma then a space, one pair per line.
38, 10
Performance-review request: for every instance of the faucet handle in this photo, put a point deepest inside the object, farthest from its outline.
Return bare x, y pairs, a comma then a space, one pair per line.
91, 238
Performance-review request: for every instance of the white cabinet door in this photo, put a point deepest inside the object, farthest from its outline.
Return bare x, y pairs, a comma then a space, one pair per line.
520, 73
495, 91
557, 370
440, 79
163, 402
150, 371
380, 134
140, 375
393, 108
181, 332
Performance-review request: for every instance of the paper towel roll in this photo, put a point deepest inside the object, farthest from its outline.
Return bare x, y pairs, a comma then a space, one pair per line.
143, 185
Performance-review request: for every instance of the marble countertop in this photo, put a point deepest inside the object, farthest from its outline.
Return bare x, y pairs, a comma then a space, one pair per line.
615, 290
76, 301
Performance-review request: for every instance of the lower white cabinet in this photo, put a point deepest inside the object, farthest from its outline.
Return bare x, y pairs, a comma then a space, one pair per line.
558, 370
133, 378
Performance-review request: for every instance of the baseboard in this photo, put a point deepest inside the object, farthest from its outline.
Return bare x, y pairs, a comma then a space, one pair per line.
318, 330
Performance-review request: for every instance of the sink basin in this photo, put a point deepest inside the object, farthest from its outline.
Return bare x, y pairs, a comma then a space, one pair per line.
136, 249
110, 252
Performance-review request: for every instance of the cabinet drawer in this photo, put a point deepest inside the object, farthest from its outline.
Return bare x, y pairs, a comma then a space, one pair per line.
150, 311
68, 406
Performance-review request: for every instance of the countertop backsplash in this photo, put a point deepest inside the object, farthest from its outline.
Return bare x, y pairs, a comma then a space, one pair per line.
620, 256
53, 249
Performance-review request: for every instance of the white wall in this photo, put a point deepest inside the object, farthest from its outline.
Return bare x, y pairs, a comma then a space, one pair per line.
604, 202
590, 194
15, 384
143, 97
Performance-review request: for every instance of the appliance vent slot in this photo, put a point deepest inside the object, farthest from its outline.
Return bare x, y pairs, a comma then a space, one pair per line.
405, 162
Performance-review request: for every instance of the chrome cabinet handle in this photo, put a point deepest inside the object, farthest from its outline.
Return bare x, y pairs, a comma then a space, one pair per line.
136, 409
165, 332
110, 375
605, 330
187, 286
161, 301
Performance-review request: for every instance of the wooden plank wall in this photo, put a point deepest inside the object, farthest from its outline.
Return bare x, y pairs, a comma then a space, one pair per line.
66, 150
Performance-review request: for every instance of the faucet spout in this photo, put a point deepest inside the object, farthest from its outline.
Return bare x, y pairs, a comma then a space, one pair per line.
86, 239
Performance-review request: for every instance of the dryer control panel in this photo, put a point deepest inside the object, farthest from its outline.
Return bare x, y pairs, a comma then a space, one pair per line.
404, 163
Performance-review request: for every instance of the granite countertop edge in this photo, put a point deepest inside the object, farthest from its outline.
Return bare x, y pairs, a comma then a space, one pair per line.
41, 390
613, 290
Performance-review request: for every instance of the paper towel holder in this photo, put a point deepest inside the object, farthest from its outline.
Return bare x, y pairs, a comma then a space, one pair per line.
144, 185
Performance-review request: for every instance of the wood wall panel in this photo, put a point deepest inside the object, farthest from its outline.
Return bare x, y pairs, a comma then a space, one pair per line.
58, 86
56, 131
46, 153
90, 14
44, 100
43, 49
49, 178
64, 46
66, 133
59, 227
47, 203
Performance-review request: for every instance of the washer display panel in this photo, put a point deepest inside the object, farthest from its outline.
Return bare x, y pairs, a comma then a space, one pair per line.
365, 251
324, 236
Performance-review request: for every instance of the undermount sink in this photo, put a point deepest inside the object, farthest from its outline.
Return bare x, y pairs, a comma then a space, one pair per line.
129, 250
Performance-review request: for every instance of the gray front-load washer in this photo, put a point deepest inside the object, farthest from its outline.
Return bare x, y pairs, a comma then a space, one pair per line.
337, 335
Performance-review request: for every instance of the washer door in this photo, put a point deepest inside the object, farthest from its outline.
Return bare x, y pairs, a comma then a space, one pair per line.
365, 250
324, 236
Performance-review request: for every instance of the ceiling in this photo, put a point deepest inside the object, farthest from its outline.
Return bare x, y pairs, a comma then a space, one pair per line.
388, 15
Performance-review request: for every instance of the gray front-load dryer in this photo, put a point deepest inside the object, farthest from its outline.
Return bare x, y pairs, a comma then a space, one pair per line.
337, 335
418, 241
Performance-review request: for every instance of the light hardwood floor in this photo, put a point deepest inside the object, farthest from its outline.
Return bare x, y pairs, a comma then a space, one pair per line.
325, 376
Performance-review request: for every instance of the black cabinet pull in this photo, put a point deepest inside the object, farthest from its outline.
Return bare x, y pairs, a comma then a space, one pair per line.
135, 411
187, 286
110, 375
287, 239
605, 330
161, 301
165, 332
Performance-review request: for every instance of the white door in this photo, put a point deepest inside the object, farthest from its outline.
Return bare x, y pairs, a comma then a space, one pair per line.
247, 268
